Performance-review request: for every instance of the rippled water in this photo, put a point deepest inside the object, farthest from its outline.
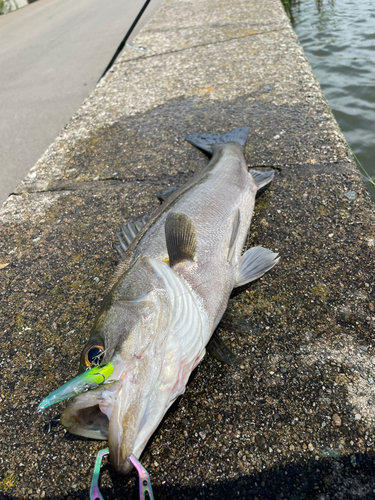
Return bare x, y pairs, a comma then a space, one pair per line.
338, 37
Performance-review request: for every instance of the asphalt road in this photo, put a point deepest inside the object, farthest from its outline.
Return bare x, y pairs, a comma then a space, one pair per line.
52, 54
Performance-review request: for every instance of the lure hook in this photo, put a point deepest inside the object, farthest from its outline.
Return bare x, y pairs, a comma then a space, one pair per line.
50, 420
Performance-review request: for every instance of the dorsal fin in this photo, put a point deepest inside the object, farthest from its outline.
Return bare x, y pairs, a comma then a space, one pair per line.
127, 234
180, 237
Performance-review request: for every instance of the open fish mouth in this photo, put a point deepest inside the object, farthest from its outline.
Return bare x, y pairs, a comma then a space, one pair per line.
103, 413
121, 409
104, 410
84, 417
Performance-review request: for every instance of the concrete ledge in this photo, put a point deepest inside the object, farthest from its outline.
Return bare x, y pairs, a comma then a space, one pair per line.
297, 420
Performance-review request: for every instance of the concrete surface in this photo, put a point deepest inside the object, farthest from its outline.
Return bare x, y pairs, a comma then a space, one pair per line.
297, 420
52, 54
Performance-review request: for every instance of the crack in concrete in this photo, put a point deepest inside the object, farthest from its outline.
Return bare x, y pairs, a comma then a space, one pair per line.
59, 186
208, 44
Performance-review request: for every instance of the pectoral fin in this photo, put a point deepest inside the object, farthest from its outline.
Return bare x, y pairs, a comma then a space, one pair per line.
233, 238
180, 237
254, 263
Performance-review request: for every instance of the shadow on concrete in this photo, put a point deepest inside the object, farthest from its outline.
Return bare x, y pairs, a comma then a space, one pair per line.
349, 477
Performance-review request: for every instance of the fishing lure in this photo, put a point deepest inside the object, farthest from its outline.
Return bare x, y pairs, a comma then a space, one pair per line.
96, 376
145, 488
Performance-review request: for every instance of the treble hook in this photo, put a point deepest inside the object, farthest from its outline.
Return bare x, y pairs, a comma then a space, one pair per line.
50, 420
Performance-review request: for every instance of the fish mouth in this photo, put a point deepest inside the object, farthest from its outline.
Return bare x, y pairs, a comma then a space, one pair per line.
117, 411
84, 417
89, 415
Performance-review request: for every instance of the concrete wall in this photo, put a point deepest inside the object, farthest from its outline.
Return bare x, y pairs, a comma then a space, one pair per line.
297, 420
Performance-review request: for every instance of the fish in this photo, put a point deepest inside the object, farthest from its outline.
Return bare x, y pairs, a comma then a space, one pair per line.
177, 270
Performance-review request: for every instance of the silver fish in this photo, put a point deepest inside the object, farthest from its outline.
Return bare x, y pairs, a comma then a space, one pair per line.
171, 289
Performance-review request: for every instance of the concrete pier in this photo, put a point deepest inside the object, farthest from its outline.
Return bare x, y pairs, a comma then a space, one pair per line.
296, 419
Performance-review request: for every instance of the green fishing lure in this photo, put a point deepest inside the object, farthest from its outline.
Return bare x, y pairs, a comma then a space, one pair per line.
96, 376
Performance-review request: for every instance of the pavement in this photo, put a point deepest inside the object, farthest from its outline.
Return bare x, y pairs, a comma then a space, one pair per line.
52, 54
296, 419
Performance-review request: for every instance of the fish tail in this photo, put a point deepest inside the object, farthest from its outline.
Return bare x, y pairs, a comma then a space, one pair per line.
205, 141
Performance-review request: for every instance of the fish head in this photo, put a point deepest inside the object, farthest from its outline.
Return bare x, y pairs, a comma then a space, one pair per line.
136, 332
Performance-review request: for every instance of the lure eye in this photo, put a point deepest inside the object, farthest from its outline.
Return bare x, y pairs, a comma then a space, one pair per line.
94, 355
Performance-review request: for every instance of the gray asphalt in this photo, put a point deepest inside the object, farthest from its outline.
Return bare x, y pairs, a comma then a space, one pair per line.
52, 54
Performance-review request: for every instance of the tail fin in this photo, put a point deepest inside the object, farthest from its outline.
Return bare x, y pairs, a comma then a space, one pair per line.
206, 141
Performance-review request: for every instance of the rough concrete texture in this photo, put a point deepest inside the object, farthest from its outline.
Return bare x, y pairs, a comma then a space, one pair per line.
296, 419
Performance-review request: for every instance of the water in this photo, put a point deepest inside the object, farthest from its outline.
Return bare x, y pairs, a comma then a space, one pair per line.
338, 38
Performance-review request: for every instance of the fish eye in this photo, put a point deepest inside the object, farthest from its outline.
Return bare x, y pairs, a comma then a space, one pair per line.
93, 355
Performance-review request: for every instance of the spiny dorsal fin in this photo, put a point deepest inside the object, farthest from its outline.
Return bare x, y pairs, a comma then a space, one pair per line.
180, 237
127, 234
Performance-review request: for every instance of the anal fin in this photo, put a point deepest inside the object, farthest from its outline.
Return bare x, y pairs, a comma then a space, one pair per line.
254, 263
180, 237
263, 180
